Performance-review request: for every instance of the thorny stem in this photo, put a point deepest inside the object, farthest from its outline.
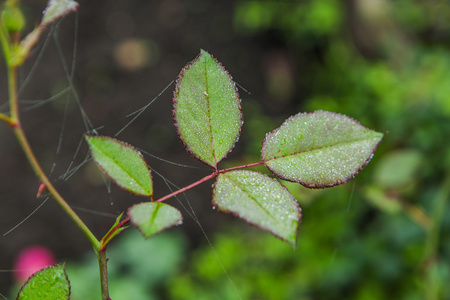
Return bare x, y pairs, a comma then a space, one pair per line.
14, 122
105, 240
102, 263
20, 135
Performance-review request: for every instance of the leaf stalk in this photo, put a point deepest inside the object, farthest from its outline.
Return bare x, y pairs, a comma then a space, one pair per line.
182, 190
206, 178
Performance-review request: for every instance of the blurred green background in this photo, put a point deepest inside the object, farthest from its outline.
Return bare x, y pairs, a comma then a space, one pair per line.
383, 235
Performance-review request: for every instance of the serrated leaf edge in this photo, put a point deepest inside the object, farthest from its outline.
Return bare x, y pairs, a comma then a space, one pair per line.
48, 267
235, 214
317, 186
107, 174
175, 92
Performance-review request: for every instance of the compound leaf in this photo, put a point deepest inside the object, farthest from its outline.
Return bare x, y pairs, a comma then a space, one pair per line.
153, 217
122, 163
48, 283
259, 200
207, 109
319, 149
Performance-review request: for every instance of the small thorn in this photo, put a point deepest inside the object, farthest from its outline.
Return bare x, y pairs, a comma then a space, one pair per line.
13, 124
42, 187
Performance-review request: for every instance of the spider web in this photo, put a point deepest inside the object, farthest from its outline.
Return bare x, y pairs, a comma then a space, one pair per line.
63, 168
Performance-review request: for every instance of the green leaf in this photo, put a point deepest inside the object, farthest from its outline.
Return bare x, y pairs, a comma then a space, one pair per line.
382, 200
259, 200
319, 149
398, 168
12, 18
50, 283
56, 9
122, 163
154, 217
207, 109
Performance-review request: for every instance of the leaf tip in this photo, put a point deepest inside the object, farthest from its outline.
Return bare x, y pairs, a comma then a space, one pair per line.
319, 149
122, 163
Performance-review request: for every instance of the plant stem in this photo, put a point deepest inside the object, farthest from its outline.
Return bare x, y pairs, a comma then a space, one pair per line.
102, 264
4, 40
182, 190
206, 178
105, 240
242, 167
418, 215
15, 123
20, 135
6, 119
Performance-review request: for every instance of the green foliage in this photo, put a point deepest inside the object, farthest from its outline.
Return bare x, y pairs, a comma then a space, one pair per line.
259, 200
207, 109
318, 17
328, 149
336, 258
115, 230
49, 283
398, 169
12, 19
387, 65
331, 147
320, 149
153, 217
137, 268
123, 164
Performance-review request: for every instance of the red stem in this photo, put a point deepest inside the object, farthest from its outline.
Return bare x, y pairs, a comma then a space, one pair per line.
242, 167
125, 221
182, 190
206, 178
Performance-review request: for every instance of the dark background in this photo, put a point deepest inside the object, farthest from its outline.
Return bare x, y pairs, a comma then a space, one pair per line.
171, 33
